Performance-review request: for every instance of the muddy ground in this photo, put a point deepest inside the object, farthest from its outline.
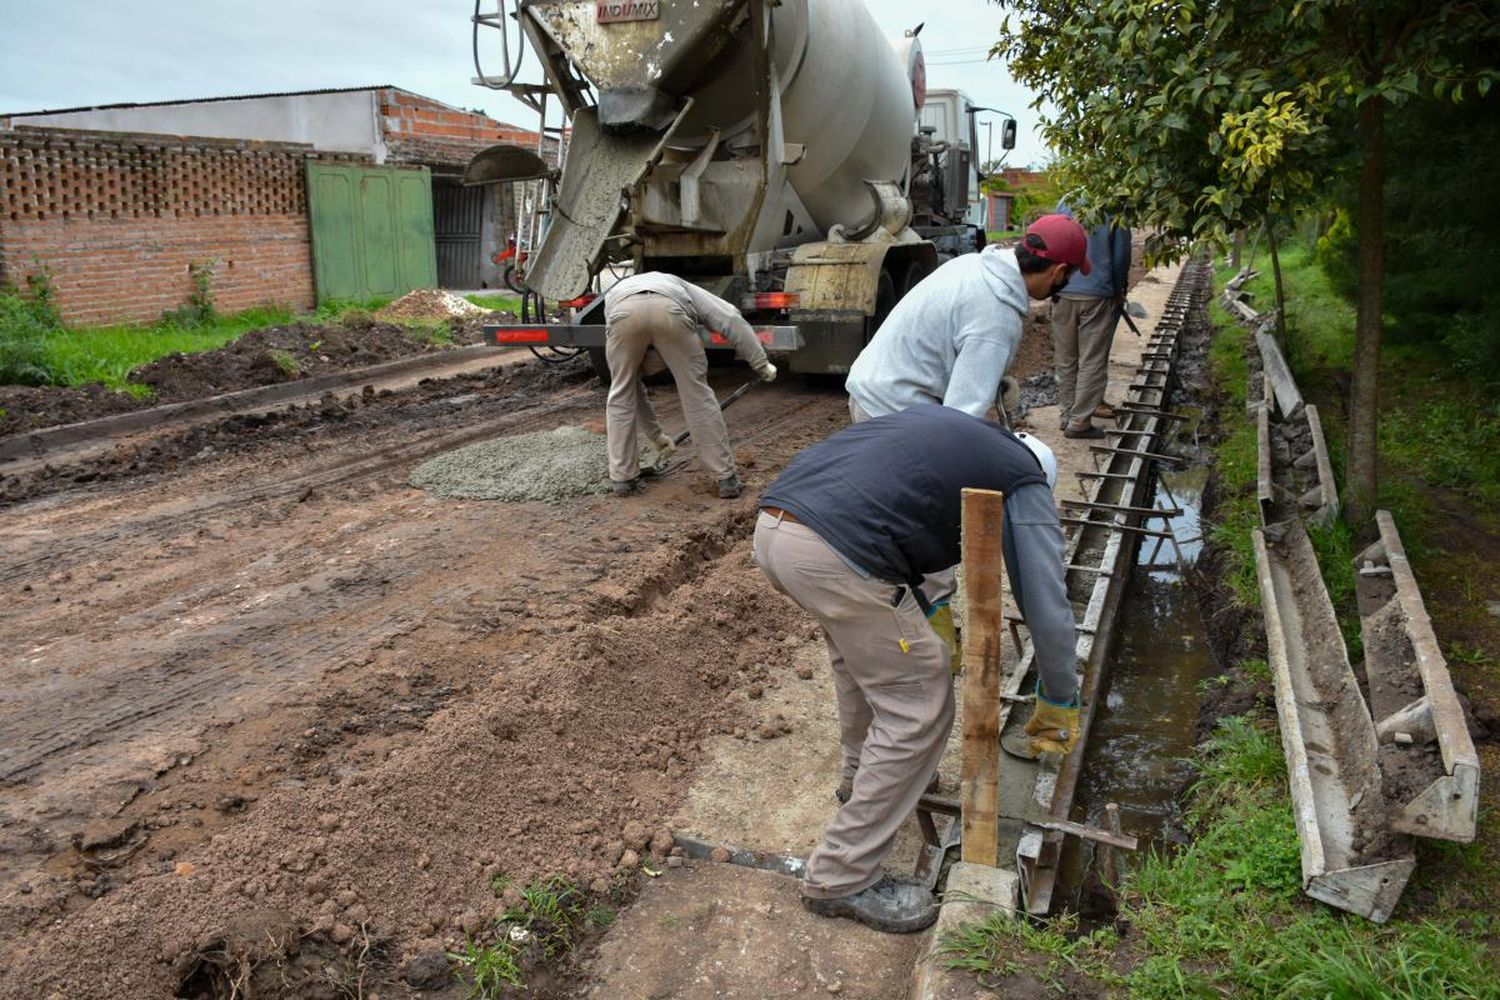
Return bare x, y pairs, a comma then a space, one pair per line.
274, 718
260, 357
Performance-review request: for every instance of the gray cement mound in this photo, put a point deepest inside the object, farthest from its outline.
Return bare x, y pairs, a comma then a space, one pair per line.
544, 465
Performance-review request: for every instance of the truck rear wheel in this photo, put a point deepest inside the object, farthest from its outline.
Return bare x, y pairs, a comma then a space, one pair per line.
915, 272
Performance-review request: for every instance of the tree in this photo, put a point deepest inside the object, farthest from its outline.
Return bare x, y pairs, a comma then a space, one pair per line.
1201, 118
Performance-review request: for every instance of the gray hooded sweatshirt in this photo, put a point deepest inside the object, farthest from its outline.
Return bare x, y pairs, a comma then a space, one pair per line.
948, 341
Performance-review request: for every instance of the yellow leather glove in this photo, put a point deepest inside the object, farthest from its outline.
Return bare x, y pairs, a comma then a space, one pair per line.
941, 620
1052, 728
664, 445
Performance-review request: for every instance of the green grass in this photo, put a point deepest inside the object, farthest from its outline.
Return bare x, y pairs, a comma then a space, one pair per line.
108, 354
37, 349
1225, 916
496, 300
1235, 456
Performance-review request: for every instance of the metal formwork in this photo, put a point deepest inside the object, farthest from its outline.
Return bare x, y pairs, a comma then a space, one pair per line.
1099, 554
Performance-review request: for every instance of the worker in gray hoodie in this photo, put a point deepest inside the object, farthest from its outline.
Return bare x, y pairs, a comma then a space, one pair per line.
950, 339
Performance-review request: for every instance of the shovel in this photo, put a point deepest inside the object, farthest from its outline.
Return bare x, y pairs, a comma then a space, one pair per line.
723, 405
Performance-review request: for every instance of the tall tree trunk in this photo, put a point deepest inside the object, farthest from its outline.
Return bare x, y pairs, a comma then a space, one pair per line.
1280, 291
1360, 473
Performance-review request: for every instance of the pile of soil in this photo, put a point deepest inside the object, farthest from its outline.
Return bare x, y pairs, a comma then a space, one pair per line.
260, 357
278, 354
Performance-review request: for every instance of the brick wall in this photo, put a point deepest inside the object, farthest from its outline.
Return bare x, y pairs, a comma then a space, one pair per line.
117, 220
420, 130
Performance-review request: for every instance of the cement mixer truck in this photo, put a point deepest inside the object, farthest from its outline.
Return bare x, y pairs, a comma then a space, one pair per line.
767, 150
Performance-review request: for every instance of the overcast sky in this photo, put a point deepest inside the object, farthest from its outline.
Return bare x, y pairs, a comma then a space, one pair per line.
61, 55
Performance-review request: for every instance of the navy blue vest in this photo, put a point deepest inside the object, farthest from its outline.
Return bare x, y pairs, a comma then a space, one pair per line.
886, 494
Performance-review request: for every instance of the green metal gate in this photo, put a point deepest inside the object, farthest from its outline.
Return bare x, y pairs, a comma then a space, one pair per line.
371, 230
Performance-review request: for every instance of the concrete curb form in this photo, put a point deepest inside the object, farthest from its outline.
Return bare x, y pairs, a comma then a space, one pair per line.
973, 895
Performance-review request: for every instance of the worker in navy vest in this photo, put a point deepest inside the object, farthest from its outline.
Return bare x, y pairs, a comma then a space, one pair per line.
848, 531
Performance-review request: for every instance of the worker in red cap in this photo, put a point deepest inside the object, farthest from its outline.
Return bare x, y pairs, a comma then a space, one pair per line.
950, 339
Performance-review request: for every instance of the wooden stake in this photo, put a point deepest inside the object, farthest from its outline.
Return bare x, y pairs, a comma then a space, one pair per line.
983, 563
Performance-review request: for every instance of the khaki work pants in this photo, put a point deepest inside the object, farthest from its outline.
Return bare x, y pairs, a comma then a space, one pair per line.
895, 698
1082, 332
648, 320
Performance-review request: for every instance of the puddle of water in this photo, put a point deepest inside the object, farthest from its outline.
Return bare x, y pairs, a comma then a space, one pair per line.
1142, 735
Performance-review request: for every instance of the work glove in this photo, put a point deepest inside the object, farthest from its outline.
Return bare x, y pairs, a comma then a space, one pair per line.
941, 620
766, 371
1052, 728
1010, 394
664, 445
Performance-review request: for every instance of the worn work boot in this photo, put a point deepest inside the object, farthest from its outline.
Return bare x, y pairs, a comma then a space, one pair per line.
888, 905
730, 487
624, 487
846, 788
1090, 432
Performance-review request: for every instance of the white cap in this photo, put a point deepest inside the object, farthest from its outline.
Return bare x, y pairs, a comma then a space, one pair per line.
1043, 455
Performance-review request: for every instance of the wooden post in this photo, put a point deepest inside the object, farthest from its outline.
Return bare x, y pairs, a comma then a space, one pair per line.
983, 563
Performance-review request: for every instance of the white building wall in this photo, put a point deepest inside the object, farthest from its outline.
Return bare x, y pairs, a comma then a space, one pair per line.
346, 122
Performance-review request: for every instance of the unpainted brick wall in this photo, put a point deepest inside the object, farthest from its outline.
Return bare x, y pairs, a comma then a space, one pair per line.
117, 220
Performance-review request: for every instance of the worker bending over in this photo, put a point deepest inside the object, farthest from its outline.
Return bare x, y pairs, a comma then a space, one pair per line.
847, 531
663, 311
950, 339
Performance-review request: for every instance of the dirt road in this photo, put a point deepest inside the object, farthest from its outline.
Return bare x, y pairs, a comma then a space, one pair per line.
262, 682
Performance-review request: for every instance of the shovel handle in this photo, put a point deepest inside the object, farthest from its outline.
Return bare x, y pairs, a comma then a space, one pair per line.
723, 405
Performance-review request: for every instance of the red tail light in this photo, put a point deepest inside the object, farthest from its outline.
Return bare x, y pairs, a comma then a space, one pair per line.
520, 335
771, 300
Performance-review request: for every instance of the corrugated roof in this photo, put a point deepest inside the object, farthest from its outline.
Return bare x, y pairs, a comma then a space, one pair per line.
214, 100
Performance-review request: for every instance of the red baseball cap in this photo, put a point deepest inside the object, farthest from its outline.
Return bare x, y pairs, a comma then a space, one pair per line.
1060, 239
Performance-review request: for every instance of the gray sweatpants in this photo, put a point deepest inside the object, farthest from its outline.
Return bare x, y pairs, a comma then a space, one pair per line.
895, 698
649, 320
1082, 331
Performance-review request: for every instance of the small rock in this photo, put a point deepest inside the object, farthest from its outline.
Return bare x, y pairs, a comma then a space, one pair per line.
661, 841
357, 914
424, 861
185, 868
341, 933
835, 987
720, 856
329, 822
768, 732
630, 859
346, 899
805, 673
674, 862
756, 692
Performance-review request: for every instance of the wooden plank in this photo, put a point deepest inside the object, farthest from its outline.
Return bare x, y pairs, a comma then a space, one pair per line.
983, 565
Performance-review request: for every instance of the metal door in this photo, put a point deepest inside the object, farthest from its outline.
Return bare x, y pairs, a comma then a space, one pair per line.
458, 221
372, 230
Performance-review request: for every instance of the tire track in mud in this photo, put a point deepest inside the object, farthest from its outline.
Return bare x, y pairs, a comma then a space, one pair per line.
156, 525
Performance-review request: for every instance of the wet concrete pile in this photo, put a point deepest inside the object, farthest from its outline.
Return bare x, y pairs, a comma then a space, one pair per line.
545, 465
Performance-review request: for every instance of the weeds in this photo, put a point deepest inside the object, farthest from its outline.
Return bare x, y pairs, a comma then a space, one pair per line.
990, 950
286, 363
551, 917
199, 308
